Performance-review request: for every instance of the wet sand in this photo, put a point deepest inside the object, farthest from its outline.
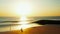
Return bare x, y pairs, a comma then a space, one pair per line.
48, 29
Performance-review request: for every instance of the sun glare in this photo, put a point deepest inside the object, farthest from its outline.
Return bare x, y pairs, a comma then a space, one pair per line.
23, 20
24, 9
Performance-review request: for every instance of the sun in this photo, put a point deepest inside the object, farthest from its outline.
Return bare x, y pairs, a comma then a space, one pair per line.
24, 9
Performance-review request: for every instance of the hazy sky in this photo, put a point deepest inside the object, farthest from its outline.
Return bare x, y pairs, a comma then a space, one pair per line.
35, 7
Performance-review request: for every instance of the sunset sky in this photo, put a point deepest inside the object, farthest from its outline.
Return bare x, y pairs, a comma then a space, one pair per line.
29, 7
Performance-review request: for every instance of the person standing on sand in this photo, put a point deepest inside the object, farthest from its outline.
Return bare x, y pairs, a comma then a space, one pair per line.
21, 30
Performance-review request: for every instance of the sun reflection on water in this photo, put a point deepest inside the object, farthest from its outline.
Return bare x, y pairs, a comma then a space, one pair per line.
24, 24
23, 20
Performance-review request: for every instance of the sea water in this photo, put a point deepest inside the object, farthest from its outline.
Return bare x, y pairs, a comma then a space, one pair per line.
5, 26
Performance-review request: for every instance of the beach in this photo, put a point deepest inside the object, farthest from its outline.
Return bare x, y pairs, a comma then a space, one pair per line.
46, 29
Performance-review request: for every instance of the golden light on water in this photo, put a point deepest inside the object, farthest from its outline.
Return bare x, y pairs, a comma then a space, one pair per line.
24, 24
23, 20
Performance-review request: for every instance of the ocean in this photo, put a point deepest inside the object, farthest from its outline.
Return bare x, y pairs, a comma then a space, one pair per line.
5, 26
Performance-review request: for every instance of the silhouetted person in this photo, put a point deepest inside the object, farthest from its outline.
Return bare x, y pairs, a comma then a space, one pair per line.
21, 30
